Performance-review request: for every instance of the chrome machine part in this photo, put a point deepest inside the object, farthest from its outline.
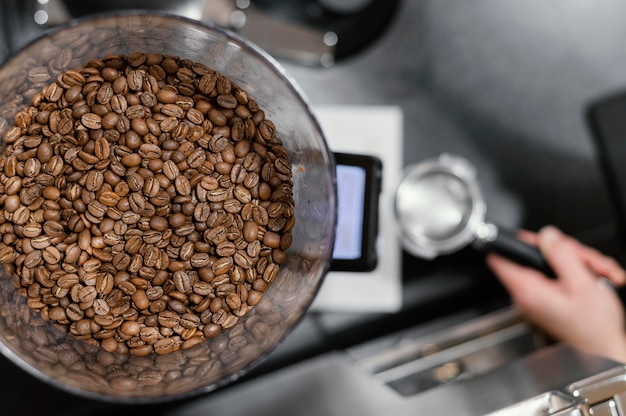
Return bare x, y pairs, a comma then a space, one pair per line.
439, 206
440, 209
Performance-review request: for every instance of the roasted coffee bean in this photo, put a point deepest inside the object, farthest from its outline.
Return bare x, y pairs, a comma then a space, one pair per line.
100, 307
207, 83
130, 328
222, 265
154, 292
217, 195
260, 215
227, 101
118, 102
68, 281
202, 288
32, 229
167, 95
242, 259
166, 346
87, 294
170, 170
51, 255
199, 260
74, 312
172, 110
134, 80
140, 299
271, 239
209, 183
104, 283
57, 313
183, 282
254, 297
168, 319
250, 231
91, 121
148, 204
182, 185
226, 249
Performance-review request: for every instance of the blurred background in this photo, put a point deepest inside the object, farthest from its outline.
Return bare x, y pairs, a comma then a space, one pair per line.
508, 85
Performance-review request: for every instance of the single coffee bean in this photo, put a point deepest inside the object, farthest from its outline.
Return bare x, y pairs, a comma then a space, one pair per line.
199, 260
166, 346
216, 235
51, 255
227, 101
233, 301
130, 328
223, 265
74, 312
254, 297
57, 313
33, 259
172, 110
91, 121
250, 231
242, 259
182, 281
182, 185
100, 307
167, 95
168, 319
260, 215
140, 299
134, 80
87, 294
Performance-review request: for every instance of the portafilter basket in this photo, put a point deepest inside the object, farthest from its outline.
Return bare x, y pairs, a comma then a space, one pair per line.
440, 209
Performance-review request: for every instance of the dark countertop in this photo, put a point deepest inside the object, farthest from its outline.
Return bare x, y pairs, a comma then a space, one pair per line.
504, 84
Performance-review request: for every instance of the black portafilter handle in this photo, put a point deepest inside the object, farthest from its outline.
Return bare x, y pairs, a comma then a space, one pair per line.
507, 244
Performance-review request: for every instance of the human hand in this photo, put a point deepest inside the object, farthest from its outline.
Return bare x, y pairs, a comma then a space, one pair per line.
577, 307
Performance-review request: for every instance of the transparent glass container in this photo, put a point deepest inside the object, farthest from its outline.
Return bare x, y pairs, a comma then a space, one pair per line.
47, 352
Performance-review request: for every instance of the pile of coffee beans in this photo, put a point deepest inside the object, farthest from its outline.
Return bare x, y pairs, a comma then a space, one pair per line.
146, 203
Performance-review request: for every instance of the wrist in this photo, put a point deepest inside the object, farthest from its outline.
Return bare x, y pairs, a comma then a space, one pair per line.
616, 350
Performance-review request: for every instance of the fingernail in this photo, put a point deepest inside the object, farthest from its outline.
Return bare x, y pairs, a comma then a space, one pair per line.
549, 235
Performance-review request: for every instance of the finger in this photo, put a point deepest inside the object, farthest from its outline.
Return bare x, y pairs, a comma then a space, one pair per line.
527, 236
563, 254
604, 265
529, 288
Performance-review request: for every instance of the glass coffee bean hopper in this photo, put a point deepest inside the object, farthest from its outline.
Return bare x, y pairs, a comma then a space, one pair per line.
42, 349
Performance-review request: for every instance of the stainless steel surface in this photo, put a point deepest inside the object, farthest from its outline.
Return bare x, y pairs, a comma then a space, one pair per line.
601, 394
549, 403
439, 335
601, 387
605, 409
458, 353
548, 369
332, 385
467, 360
